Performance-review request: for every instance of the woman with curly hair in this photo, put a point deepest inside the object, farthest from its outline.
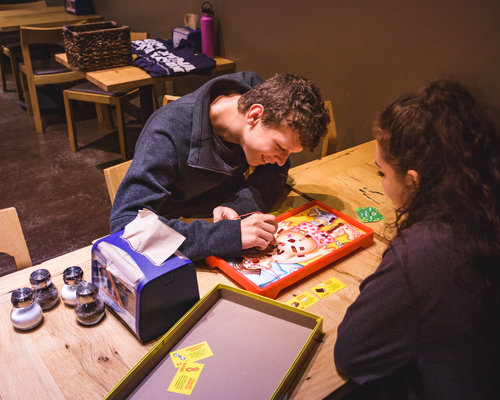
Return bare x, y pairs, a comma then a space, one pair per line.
426, 324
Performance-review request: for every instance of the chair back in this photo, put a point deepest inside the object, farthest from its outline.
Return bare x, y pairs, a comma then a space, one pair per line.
12, 240
329, 144
114, 176
41, 34
138, 36
37, 35
44, 75
168, 98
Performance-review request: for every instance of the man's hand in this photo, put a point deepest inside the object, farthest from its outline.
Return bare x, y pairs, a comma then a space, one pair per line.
222, 212
258, 231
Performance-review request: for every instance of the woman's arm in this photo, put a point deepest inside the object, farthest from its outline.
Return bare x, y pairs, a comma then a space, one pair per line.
378, 333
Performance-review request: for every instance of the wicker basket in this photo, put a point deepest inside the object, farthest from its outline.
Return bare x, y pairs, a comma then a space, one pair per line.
97, 45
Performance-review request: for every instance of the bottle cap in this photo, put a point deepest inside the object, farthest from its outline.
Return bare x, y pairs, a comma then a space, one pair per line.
73, 275
86, 292
22, 297
207, 9
40, 277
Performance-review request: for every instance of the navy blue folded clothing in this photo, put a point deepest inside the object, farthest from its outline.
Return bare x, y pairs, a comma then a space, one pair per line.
159, 57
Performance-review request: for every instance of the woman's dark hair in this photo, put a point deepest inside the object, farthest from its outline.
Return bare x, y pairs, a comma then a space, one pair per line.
290, 101
447, 137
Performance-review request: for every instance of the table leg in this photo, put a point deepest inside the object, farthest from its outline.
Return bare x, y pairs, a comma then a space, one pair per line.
146, 96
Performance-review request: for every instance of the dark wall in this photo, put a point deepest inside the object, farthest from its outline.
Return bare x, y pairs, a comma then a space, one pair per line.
362, 54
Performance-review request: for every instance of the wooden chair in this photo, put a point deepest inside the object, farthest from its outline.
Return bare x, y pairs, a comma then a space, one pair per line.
10, 46
33, 76
88, 92
12, 239
114, 176
329, 144
167, 98
10, 50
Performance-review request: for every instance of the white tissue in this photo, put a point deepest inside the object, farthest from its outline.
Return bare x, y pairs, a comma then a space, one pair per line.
152, 238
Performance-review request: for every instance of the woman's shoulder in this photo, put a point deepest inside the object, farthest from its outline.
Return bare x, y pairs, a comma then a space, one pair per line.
427, 249
425, 234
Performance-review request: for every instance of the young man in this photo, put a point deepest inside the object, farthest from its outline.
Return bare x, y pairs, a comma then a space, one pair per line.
191, 157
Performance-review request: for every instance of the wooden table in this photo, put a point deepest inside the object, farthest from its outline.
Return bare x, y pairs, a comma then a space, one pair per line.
130, 77
11, 20
62, 359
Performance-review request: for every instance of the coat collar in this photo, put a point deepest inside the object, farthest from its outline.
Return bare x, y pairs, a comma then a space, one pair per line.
207, 150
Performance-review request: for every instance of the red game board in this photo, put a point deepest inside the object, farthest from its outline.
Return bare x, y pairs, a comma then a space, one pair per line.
308, 238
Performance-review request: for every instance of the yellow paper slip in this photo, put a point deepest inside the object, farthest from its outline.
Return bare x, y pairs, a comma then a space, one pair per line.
192, 353
303, 300
186, 377
328, 287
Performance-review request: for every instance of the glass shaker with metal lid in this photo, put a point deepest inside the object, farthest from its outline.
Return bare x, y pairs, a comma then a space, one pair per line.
89, 306
72, 276
26, 314
45, 292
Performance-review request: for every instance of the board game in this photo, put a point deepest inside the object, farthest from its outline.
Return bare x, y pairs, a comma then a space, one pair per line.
308, 238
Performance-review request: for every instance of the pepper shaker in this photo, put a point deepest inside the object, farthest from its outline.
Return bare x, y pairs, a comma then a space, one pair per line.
26, 314
89, 307
45, 292
72, 276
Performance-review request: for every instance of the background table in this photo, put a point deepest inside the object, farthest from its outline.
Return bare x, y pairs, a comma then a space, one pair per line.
61, 359
11, 20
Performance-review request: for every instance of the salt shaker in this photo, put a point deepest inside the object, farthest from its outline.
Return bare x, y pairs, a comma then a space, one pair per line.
45, 292
72, 276
89, 307
26, 314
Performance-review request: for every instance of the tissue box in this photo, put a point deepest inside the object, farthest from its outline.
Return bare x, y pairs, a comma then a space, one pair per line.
184, 32
79, 7
148, 298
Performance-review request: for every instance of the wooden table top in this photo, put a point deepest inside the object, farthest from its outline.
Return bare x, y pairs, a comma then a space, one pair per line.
62, 360
129, 77
11, 20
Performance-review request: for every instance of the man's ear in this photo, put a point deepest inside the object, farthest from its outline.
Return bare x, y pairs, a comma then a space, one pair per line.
412, 178
254, 114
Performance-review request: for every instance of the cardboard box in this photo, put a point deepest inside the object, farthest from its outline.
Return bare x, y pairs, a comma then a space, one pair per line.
258, 346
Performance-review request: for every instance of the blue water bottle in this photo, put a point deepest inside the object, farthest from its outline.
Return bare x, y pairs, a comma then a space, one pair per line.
207, 29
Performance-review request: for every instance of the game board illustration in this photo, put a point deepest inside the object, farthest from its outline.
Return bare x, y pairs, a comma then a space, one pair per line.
308, 236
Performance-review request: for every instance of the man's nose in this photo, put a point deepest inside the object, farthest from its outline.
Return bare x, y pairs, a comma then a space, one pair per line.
281, 159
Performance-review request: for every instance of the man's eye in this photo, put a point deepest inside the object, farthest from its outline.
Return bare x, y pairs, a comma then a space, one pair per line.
380, 173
